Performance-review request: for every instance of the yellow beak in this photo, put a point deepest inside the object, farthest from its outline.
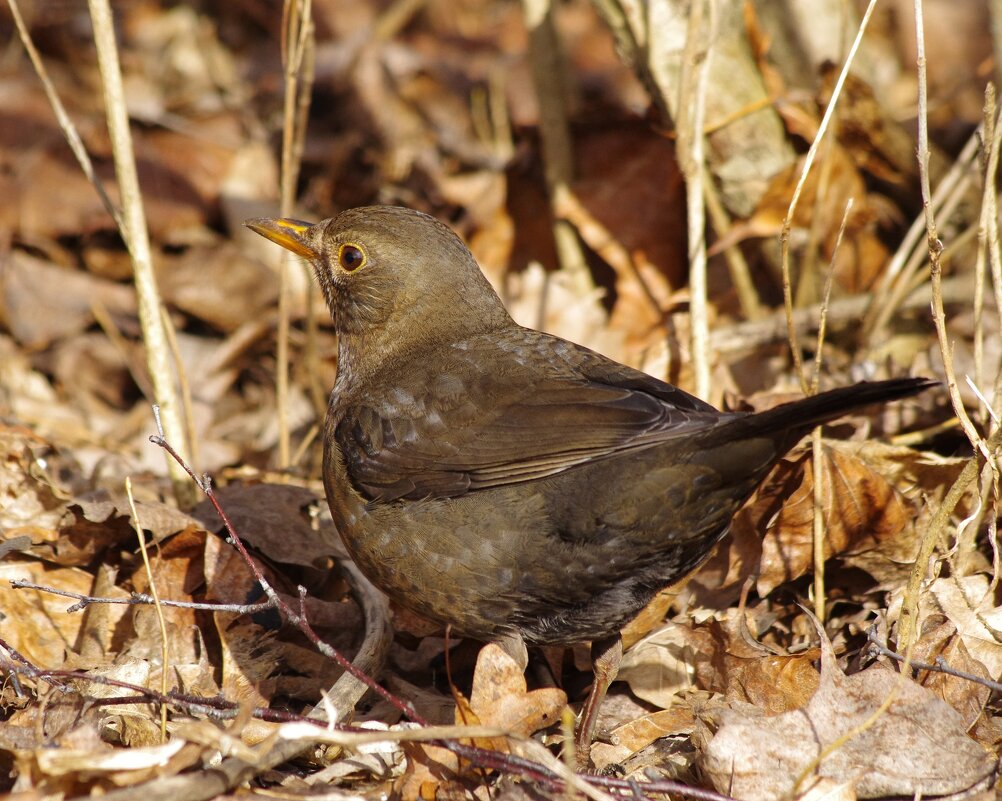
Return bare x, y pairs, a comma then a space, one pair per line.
288, 233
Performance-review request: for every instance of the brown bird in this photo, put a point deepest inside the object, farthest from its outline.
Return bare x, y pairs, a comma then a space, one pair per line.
520, 487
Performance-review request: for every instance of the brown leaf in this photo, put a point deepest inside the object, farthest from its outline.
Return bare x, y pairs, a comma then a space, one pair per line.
917, 746
861, 512
36, 623
861, 257
719, 656
428, 771
68, 297
217, 283
275, 519
965, 695
31, 497
969, 603
177, 569
663, 663
499, 697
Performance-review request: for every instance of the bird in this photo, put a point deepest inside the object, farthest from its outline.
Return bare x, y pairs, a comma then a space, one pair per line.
516, 486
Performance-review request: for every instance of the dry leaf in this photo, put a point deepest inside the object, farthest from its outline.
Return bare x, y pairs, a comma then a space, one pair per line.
918, 746
68, 296
500, 698
861, 512
663, 664
964, 694
36, 623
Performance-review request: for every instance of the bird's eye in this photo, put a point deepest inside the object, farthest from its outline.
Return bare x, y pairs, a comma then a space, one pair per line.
350, 257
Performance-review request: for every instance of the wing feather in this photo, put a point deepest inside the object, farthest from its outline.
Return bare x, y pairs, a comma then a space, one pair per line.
470, 429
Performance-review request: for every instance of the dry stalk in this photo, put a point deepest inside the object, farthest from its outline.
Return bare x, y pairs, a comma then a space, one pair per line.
65, 123
988, 240
980, 262
137, 238
692, 104
935, 246
297, 29
983, 450
548, 75
737, 265
184, 386
817, 455
132, 226
905, 265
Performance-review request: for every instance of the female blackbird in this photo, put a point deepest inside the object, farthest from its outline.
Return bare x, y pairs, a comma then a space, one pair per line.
513, 484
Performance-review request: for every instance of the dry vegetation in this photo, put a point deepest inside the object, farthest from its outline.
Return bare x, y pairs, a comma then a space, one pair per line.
654, 180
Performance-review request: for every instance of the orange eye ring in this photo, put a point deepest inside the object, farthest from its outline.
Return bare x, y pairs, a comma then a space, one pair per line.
350, 257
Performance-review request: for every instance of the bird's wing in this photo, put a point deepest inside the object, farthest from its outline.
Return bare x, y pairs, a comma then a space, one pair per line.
471, 427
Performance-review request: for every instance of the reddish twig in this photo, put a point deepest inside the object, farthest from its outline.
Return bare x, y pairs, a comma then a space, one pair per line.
298, 620
481, 757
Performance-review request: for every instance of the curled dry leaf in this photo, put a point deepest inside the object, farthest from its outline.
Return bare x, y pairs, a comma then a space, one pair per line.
83, 532
275, 519
917, 746
719, 656
862, 255
428, 771
499, 697
31, 501
742, 669
969, 603
942, 642
637, 734
663, 664
862, 512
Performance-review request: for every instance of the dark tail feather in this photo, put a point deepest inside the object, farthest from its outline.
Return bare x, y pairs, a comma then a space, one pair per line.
788, 423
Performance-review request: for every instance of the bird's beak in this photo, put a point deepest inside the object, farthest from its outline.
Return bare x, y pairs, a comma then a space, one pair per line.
290, 234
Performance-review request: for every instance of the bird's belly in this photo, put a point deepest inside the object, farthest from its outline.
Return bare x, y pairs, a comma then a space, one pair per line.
458, 561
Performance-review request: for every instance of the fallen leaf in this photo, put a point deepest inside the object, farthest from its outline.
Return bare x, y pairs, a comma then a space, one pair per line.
500, 698
861, 512
917, 746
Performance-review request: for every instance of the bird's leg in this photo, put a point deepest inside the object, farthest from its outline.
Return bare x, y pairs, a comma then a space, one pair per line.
606, 654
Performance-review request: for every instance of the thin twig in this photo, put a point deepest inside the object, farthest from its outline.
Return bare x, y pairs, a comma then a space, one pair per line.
164, 647
65, 123
908, 259
988, 231
817, 454
737, 265
784, 236
205, 485
981, 259
187, 405
939, 666
140, 599
935, 246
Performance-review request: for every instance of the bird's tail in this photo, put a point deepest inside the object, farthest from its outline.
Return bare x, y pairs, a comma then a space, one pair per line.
788, 423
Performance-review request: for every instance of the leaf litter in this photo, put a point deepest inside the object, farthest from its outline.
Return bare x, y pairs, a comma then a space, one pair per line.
728, 683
